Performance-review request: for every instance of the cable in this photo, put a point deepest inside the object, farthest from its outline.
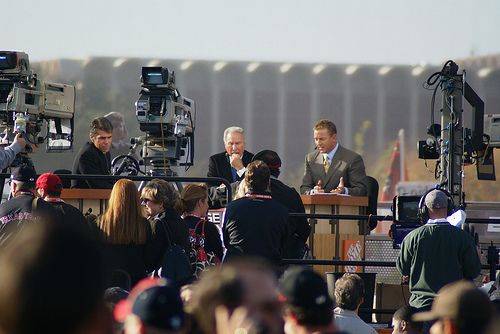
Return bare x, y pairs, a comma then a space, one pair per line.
432, 81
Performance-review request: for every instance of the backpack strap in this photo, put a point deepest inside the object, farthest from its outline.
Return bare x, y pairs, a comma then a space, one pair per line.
202, 220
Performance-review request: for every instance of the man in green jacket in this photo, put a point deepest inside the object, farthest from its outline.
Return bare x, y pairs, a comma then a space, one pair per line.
436, 254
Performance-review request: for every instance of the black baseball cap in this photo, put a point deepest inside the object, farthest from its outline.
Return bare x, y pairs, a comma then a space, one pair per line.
158, 304
303, 287
270, 157
23, 173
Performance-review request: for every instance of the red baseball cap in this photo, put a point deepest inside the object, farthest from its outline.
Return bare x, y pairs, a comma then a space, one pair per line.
49, 182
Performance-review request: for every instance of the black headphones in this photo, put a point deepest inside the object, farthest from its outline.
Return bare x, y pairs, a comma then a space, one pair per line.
423, 210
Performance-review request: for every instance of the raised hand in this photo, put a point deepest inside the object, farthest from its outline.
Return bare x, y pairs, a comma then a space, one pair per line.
340, 188
319, 187
235, 161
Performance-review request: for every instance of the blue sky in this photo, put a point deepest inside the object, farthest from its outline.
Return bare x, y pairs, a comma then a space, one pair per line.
312, 31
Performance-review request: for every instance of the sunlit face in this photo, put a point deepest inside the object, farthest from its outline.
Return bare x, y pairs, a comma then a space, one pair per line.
152, 207
102, 140
235, 143
324, 141
396, 326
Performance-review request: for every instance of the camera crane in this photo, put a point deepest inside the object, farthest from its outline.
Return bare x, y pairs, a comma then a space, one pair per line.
450, 142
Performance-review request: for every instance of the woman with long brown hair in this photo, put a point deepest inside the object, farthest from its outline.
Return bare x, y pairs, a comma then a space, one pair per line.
193, 205
125, 233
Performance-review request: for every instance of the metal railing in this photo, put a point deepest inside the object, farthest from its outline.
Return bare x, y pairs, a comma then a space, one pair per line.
209, 180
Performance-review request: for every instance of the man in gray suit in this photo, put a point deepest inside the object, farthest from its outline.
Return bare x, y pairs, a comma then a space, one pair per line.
331, 167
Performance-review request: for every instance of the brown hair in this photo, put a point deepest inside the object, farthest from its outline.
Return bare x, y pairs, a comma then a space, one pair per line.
216, 287
102, 124
124, 221
190, 196
257, 176
160, 191
349, 291
326, 124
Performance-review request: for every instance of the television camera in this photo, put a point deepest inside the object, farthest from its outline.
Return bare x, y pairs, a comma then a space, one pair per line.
28, 103
168, 120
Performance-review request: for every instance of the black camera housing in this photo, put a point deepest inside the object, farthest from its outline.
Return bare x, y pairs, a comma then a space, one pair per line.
427, 149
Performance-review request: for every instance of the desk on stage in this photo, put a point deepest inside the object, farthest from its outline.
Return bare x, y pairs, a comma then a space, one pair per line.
83, 199
334, 238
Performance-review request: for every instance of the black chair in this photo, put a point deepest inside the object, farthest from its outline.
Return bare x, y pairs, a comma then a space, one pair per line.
371, 185
66, 182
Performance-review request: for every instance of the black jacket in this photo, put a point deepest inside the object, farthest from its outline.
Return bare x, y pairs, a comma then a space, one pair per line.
18, 211
213, 242
255, 227
71, 215
298, 227
91, 161
219, 166
134, 259
179, 233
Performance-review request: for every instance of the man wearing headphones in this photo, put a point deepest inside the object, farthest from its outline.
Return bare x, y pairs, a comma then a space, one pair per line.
436, 253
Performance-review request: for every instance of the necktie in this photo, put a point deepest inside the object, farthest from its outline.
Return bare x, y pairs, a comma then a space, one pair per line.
234, 174
326, 164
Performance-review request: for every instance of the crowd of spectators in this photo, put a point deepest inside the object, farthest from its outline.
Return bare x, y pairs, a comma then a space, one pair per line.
62, 274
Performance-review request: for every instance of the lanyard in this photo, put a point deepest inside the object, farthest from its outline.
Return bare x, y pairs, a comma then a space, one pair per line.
258, 196
54, 200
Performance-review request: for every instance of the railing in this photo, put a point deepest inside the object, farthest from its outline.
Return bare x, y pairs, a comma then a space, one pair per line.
210, 180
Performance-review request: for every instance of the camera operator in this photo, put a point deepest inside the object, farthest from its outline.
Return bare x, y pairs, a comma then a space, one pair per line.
436, 253
8, 154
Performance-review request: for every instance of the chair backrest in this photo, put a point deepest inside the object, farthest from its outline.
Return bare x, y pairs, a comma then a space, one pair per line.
66, 182
371, 185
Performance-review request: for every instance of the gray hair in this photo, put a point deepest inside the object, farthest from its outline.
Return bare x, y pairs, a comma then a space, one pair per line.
232, 129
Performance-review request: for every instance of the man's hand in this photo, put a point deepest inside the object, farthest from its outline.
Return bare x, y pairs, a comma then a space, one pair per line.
235, 161
318, 188
21, 141
340, 188
238, 322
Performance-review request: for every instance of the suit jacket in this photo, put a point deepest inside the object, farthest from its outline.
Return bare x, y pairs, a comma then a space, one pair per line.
92, 161
298, 227
345, 163
219, 166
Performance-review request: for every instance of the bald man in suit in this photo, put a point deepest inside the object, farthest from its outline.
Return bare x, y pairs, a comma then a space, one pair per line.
331, 167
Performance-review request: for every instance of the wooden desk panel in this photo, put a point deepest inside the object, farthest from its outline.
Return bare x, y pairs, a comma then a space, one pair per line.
328, 235
83, 199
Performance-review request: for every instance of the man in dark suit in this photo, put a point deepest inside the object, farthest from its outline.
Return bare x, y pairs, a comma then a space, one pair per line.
331, 167
231, 164
94, 157
298, 227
